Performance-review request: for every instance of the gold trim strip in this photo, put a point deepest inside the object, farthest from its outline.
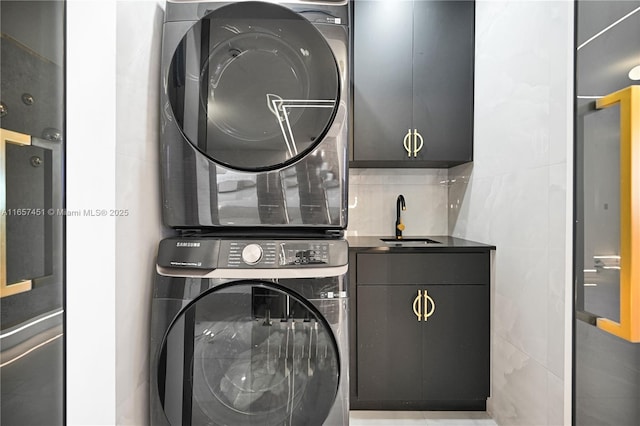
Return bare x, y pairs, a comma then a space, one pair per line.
15, 288
14, 137
8, 289
629, 326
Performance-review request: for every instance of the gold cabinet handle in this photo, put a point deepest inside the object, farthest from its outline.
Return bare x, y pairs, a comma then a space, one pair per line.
416, 147
407, 143
423, 311
413, 143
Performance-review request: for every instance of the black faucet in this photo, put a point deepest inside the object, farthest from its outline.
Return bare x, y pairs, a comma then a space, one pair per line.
400, 204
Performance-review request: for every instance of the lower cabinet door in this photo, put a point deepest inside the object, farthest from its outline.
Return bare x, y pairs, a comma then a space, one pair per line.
389, 344
455, 343
422, 342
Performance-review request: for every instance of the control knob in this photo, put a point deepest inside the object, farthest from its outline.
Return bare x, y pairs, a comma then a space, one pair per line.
251, 254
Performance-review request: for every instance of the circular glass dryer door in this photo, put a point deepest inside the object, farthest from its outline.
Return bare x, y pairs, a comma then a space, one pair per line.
248, 353
254, 86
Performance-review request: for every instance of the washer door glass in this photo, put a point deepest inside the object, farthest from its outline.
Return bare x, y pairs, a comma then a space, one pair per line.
254, 86
248, 353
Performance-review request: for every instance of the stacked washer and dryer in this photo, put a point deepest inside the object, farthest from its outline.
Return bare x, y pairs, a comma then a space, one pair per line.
249, 306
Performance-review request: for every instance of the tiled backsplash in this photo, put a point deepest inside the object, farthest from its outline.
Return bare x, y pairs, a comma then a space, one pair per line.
372, 201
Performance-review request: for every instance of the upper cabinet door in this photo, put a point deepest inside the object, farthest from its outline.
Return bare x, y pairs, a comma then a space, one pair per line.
443, 61
413, 83
383, 57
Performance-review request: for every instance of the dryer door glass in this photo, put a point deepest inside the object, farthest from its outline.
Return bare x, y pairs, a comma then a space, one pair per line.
254, 86
249, 353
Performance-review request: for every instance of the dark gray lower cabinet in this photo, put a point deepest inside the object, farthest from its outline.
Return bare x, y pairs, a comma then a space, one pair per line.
401, 359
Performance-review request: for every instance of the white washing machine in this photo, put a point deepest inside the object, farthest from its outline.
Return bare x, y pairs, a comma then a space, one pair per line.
250, 332
254, 113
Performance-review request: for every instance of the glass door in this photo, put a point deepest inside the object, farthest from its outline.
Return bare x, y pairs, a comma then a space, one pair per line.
607, 237
31, 220
248, 353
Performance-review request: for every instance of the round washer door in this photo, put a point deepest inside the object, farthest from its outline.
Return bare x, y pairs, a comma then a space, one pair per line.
248, 353
254, 86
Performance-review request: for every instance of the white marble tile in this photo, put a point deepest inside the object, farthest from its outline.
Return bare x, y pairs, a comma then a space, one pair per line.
510, 210
397, 176
138, 194
516, 197
129, 412
138, 40
523, 56
555, 400
511, 137
366, 213
461, 422
520, 208
456, 415
426, 212
418, 418
137, 236
519, 387
556, 301
459, 179
475, 210
139, 29
520, 304
557, 208
372, 202
386, 418
458, 418
560, 29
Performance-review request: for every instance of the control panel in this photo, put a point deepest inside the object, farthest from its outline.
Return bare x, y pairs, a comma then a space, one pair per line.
277, 254
305, 254
237, 254
213, 253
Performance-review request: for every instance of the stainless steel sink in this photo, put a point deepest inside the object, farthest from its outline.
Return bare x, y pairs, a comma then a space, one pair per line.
410, 241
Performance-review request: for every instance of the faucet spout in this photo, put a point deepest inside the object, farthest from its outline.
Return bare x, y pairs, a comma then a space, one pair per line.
400, 205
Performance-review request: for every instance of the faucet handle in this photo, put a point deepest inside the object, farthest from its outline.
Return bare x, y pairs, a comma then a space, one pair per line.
400, 226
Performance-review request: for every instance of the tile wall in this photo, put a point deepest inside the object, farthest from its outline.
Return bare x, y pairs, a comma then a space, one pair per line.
138, 38
372, 201
515, 197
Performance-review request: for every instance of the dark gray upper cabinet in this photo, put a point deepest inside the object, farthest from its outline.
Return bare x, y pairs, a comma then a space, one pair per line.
413, 83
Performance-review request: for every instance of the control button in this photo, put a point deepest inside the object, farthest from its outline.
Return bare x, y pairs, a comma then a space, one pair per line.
251, 254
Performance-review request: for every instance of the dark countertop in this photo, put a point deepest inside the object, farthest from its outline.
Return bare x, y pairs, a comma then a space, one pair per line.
446, 244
